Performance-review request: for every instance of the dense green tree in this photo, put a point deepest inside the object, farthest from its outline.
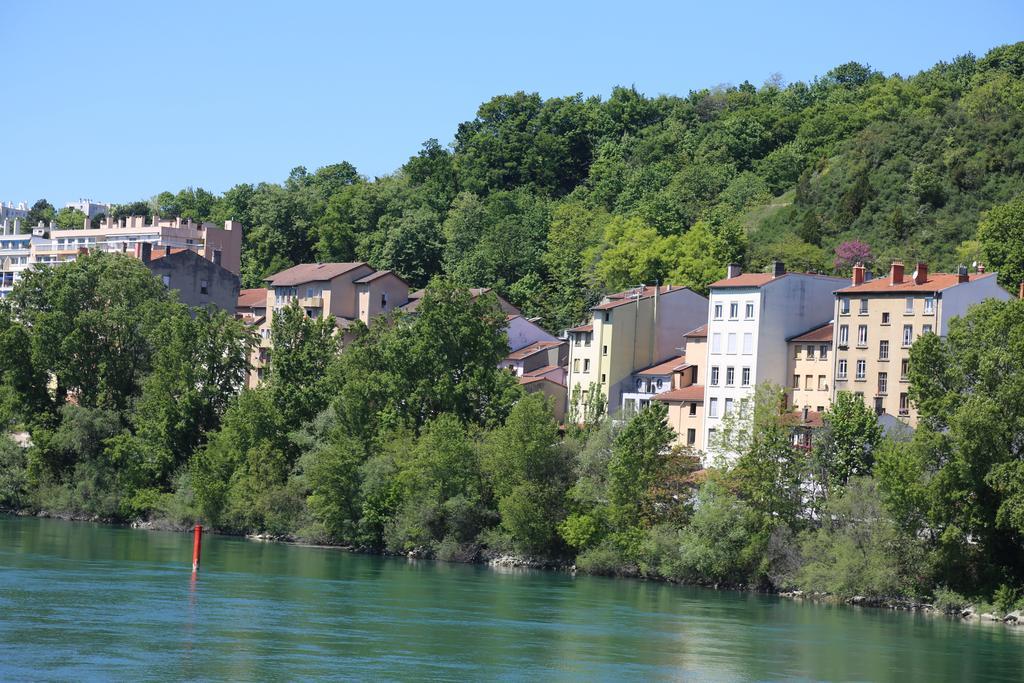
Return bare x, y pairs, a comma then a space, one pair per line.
40, 212
1001, 233
70, 219
846, 446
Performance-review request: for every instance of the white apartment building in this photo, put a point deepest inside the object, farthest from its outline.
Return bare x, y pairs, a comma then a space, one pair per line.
9, 211
90, 208
750, 318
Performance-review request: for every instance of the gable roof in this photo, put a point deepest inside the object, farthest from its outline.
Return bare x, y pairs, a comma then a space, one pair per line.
312, 272
936, 282
589, 327
822, 333
701, 331
761, 279
376, 275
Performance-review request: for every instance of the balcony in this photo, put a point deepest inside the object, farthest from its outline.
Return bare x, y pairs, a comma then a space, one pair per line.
311, 302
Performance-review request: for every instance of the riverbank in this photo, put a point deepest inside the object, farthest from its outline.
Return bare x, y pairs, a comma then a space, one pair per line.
973, 612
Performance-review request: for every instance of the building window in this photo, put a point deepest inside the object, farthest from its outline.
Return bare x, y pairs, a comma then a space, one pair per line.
629, 406
384, 300
576, 338
750, 310
904, 404
885, 317
586, 365
810, 352
607, 317
730, 343
883, 350
862, 335
796, 352
716, 342
728, 407
904, 368
823, 352
576, 365
745, 377
908, 335
929, 305
734, 310
604, 350
691, 437
796, 381
730, 376
863, 306
604, 378
822, 383
841, 370
167, 280
713, 408
844, 335
926, 329
808, 382
714, 375
718, 311
844, 307
862, 369
748, 343
909, 310
693, 409
204, 287
711, 437
883, 383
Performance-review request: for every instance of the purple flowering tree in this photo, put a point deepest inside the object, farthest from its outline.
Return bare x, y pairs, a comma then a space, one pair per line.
851, 252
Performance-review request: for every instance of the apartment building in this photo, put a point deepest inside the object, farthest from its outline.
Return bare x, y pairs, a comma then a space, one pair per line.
810, 366
222, 245
630, 331
751, 317
90, 208
15, 253
11, 211
344, 291
198, 281
877, 321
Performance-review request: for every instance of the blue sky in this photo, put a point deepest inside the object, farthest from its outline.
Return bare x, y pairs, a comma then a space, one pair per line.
120, 100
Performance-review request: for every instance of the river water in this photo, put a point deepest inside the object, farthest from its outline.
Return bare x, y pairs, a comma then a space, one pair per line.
89, 602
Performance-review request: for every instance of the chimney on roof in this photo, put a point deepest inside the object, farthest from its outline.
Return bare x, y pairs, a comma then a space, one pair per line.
143, 251
858, 274
733, 270
921, 273
778, 268
981, 268
896, 273
961, 274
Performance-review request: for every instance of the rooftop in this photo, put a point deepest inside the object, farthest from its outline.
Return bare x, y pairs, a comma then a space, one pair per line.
632, 295
374, 276
818, 334
694, 392
761, 279
589, 327
532, 349
934, 282
701, 331
665, 367
796, 419
250, 298
311, 272
539, 372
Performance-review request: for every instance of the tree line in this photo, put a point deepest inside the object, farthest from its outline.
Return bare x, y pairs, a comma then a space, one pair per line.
555, 201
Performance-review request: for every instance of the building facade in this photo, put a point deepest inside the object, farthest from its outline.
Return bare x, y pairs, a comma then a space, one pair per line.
810, 367
11, 211
629, 331
751, 317
877, 321
198, 281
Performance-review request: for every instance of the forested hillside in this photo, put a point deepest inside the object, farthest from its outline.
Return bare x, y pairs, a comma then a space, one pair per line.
554, 201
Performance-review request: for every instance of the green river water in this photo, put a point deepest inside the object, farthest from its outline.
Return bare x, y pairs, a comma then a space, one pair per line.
89, 602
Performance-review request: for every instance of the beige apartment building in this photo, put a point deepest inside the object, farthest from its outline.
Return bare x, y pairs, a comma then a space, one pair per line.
344, 291
810, 366
877, 321
629, 331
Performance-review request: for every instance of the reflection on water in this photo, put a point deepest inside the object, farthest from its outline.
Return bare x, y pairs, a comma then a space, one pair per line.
86, 601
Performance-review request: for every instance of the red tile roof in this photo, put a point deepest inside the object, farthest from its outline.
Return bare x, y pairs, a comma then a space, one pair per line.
818, 334
252, 298
701, 331
589, 327
542, 371
745, 280
631, 295
796, 419
665, 367
936, 282
532, 349
531, 380
311, 272
694, 392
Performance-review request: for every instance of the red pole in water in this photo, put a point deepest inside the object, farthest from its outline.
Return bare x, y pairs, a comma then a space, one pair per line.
197, 544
